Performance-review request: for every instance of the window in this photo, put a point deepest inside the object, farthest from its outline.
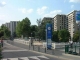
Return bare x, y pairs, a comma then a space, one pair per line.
60, 27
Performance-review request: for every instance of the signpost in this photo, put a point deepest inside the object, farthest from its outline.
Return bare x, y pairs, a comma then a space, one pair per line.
49, 35
77, 16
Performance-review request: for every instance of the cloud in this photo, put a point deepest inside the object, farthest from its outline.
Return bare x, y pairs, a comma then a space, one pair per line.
41, 11
2, 4
74, 1
72, 6
52, 13
25, 11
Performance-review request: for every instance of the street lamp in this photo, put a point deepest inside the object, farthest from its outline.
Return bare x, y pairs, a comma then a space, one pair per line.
31, 40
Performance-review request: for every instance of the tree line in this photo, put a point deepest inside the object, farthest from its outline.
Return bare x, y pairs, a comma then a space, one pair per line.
25, 29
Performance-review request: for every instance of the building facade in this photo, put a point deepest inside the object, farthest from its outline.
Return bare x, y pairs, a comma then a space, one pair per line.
72, 25
7, 25
11, 26
49, 19
60, 22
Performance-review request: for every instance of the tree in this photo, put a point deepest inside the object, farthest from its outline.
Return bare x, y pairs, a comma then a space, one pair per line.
23, 27
6, 31
55, 36
76, 36
63, 35
1, 33
42, 28
33, 30
18, 30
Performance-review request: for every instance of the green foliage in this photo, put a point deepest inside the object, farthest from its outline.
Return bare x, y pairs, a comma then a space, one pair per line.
23, 27
76, 36
18, 30
5, 31
34, 30
63, 35
1, 33
41, 28
55, 36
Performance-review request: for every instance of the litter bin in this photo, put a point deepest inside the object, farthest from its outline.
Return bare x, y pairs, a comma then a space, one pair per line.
66, 48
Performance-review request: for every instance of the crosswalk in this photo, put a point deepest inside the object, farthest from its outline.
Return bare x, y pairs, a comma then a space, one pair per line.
28, 58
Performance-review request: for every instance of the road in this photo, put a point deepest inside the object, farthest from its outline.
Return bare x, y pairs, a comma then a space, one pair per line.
11, 52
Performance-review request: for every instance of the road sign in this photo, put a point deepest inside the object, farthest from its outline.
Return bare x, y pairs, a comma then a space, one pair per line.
49, 35
77, 15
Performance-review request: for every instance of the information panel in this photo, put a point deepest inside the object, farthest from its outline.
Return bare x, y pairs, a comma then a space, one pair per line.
77, 16
49, 35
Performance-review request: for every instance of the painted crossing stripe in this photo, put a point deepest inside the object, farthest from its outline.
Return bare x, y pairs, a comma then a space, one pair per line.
43, 57
27, 58
34, 57
12, 59
24, 58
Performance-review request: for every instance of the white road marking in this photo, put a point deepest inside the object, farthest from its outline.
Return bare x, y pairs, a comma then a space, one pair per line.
27, 58
43, 57
24, 58
12, 58
34, 57
3, 59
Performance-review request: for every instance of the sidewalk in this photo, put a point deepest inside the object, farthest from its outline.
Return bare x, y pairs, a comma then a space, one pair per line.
55, 52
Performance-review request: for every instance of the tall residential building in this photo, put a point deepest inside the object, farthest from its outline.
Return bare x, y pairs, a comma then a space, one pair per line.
11, 26
72, 26
7, 25
60, 22
49, 19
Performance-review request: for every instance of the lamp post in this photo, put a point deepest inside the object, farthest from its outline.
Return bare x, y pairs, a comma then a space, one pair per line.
31, 40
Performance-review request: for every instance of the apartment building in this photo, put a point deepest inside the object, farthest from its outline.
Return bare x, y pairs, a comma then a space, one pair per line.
7, 25
49, 19
72, 26
11, 26
60, 22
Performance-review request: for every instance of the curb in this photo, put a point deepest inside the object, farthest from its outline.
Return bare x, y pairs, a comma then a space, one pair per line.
50, 55
71, 55
46, 54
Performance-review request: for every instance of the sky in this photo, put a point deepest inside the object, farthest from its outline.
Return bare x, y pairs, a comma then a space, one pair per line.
16, 10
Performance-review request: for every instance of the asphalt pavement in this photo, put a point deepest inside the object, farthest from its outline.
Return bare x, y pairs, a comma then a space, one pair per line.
13, 52
57, 52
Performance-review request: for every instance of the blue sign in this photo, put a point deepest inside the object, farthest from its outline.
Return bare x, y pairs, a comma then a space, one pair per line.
77, 16
49, 35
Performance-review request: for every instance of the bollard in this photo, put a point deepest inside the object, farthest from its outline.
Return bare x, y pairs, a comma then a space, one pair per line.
39, 48
45, 49
33, 47
29, 46
75, 48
